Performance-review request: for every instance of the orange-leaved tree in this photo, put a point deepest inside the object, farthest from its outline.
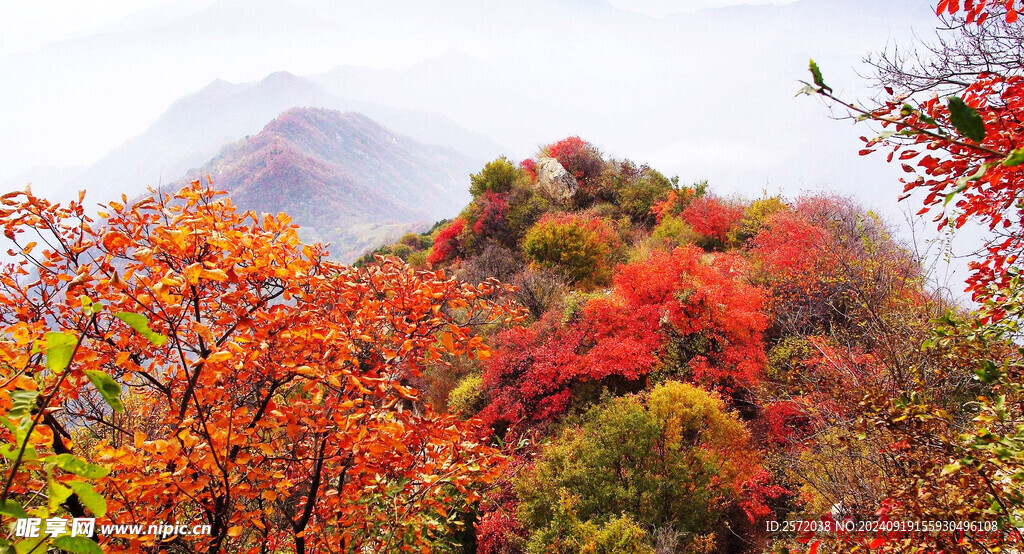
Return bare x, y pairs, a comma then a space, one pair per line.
242, 380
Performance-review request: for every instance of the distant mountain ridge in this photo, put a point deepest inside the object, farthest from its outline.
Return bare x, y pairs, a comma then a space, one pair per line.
343, 177
197, 127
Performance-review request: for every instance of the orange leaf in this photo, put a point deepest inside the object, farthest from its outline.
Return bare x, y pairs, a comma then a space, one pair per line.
115, 241
447, 341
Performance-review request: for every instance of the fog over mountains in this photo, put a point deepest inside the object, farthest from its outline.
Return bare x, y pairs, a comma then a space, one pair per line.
343, 178
197, 127
702, 93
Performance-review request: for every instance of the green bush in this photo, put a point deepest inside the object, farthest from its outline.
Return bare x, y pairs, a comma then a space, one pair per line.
675, 231
468, 397
497, 176
672, 458
755, 217
568, 535
636, 198
418, 259
525, 208
580, 247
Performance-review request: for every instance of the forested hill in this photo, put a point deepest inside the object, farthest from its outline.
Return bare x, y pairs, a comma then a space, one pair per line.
692, 365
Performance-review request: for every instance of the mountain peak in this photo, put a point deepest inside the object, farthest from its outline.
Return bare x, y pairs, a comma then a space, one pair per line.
343, 177
281, 77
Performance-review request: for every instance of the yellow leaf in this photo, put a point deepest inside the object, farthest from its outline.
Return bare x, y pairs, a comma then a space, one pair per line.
214, 274
178, 237
221, 356
235, 531
144, 255
193, 272
140, 438
171, 282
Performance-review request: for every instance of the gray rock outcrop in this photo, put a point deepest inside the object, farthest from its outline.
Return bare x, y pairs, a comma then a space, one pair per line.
555, 180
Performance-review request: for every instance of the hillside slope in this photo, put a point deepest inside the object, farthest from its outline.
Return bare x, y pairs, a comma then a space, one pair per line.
744, 333
343, 177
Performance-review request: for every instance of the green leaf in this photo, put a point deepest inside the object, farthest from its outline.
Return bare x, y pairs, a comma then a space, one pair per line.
13, 509
59, 348
141, 326
1015, 158
89, 498
71, 464
988, 373
58, 494
952, 195
932, 122
34, 545
88, 306
816, 74
966, 119
953, 467
22, 402
978, 174
108, 387
10, 451
77, 545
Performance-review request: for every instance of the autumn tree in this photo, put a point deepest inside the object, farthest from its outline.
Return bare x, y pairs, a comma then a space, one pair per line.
579, 157
638, 189
963, 153
714, 219
264, 390
447, 244
673, 458
674, 315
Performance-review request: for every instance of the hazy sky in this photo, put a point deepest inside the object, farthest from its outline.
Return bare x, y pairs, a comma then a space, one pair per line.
27, 25
659, 8
695, 92
80, 78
